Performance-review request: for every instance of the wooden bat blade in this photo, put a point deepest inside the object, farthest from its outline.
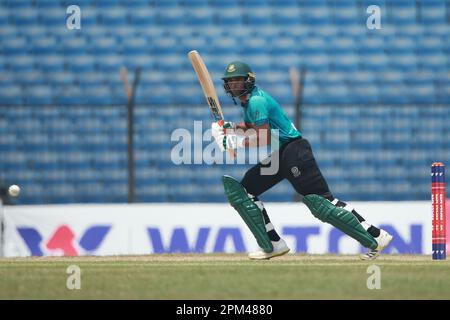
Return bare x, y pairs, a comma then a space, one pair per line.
206, 83
208, 89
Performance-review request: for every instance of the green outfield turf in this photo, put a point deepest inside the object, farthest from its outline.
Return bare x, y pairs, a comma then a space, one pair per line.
225, 277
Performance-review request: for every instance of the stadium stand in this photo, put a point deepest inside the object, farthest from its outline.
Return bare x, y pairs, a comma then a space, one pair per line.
380, 96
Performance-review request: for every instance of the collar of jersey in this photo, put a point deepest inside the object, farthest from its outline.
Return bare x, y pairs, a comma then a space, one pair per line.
244, 105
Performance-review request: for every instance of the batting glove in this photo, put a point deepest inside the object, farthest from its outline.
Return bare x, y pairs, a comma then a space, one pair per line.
229, 125
226, 141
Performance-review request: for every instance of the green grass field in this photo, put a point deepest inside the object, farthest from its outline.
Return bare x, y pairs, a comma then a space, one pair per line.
225, 277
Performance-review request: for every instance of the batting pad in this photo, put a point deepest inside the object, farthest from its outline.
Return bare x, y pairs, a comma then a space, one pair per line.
340, 218
248, 210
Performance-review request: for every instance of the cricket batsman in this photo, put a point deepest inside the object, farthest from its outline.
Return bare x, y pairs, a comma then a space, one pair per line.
263, 117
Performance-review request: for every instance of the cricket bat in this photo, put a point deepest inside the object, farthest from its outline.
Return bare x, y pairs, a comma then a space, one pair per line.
208, 89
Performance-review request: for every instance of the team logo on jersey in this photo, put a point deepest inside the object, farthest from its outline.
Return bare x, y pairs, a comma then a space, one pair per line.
231, 68
295, 172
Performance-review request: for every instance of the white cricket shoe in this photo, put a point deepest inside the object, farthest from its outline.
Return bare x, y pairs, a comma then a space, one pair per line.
279, 248
383, 241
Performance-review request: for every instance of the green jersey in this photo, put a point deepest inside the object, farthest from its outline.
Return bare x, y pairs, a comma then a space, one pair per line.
261, 108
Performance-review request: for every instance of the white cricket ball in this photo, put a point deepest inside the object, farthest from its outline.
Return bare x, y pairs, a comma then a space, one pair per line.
14, 190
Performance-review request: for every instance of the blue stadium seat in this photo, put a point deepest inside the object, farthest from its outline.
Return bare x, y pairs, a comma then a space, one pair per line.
143, 60
146, 95
401, 4
129, 32
185, 95
371, 45
195, 4
347, 16
310, 46
315, 16
374, 62
157, 77
3, 18
105, 45
21, 63
225, 4
164, 46
228, 17
39, 95
10, 95
6, 78
345, 62
311, 93
52, 17
341, 45
23, 17
254, 46
14, 46
403, 62
170, 17
110, 63
70, 96
429, 45
142, 17
281, 93
283, 45
105, 3
29, 78
83, 63
422, 94
8, 32
443, 93
194, 42
400, 45
13, 4
394, 94
390, 77
364, 93
403, 16
64, 3
260, 64
287, 17
223, 45
51, 63
112, 17
200, 17
73, 46
98, 95
433, 12
43, 46
135, 46
433, 62
171, 63
90, 18
169, 4
256, 17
